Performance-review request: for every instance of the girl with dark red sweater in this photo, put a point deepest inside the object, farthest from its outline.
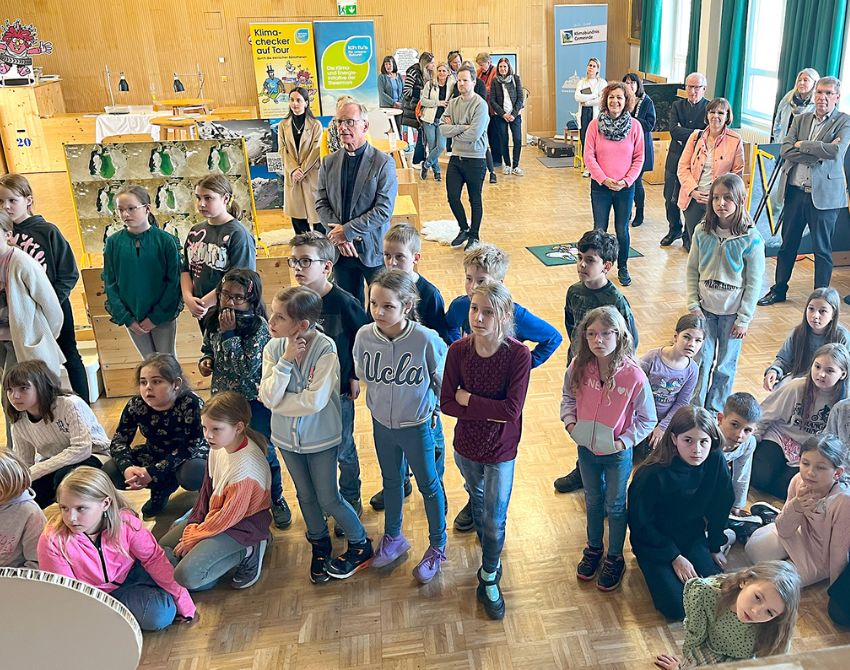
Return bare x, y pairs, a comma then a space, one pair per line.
484, 386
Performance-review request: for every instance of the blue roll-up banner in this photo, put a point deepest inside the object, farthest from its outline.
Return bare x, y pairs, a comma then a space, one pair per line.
346, 61
581, 33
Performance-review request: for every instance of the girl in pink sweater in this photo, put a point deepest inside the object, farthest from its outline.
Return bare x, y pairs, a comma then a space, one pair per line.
613, 152
813, 529
607, 408
98, 540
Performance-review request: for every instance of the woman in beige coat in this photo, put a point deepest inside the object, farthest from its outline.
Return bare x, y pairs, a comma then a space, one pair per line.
299, 138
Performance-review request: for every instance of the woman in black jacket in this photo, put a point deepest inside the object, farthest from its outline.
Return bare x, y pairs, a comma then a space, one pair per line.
644, 112
414, 81
507, 100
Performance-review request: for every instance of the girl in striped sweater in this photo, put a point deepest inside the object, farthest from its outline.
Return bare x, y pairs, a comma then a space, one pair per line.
229, 525
53, 431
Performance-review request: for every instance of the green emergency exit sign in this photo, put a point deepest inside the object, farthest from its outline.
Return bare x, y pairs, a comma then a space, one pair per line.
346, 7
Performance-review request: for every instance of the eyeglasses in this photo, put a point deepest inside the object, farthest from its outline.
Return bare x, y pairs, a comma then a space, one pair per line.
304, 263
130, 210
694, 87
235, 299
348, 123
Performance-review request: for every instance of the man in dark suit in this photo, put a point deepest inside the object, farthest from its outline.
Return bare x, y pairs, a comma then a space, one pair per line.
355, 200
813, 184
686, 116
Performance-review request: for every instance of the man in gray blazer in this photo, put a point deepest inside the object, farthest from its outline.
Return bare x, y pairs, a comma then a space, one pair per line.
355, 200
813, 184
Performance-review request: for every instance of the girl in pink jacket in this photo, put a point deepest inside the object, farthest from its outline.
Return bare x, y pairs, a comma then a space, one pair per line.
607, 408
98, 540
707, 154
813, 528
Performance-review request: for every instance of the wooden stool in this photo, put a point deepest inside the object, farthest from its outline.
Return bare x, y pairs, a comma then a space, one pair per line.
179, 127
405, 212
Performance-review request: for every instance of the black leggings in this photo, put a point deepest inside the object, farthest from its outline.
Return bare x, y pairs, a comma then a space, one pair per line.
771, 472
663, 584
45, 487
189, 474
67, 342
301, 226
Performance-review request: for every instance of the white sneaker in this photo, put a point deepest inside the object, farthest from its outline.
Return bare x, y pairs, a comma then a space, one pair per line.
586, 173
518, 171
731, 538
507, 170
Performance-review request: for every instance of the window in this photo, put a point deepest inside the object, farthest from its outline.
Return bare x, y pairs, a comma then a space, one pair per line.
675, 21
844, 100
761, 66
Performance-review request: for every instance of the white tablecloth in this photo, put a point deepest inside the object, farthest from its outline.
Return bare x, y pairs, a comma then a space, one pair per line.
122, 124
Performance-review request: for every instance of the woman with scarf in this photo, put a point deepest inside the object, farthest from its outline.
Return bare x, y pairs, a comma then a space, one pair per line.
798, 100
415, 78
644, 112
613, 153
707, 154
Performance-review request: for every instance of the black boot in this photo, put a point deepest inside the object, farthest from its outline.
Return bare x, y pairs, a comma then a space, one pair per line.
322, 550
638, 220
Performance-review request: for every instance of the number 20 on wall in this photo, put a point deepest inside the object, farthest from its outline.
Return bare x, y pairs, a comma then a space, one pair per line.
23, 141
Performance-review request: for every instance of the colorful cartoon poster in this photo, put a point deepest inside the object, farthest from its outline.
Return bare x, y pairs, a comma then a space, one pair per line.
18, 44
167, 170
345, 52
284, 57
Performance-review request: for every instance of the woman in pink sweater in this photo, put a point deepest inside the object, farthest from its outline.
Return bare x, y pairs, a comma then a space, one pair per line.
613, 152
98, 540
813, 529
707, 154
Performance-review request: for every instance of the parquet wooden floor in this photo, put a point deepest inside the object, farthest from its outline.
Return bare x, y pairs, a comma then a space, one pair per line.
382, 619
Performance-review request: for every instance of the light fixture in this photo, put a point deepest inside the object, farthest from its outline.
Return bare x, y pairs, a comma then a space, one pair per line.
178, 85
122, 83
123, 87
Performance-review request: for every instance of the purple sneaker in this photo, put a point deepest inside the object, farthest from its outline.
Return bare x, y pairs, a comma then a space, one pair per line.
430, 564
389, 549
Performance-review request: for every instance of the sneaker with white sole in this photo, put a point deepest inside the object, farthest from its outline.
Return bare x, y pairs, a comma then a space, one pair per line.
507, 170
765, 511
357, 557
248, 571
518, 171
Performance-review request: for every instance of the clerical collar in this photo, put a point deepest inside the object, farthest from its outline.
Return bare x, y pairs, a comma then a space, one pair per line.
357, 152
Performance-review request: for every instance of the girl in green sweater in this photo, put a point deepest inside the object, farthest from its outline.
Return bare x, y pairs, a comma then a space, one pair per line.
737, 616
141, 274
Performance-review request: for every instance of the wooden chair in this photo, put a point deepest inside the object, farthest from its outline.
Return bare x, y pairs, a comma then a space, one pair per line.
126, 137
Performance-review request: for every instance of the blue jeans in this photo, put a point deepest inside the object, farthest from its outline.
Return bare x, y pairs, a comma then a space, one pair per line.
349, 464
439, 448
605, 479
208, 561
489, 486
151, 605
314, 476
261, 421
436, 145
415, 445
718, 361
602, 200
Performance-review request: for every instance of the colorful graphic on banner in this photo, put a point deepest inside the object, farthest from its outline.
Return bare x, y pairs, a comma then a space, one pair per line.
284, 57
581, 33
345, 51
167, 170
18, 44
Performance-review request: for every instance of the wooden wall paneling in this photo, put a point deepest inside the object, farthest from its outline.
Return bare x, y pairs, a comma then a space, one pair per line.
149, 40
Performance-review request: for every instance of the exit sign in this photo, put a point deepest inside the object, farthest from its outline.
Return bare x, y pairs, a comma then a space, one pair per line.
346, 7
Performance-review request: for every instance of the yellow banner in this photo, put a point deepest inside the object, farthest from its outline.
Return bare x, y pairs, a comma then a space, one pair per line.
284, 57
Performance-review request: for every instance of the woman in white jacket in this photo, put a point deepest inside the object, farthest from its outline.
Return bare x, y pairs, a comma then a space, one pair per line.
798, 100
588, 97
435, 96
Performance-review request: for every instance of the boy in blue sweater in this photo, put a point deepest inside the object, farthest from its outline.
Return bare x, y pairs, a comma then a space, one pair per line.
487, 263
311, 260
596, 252
402, 251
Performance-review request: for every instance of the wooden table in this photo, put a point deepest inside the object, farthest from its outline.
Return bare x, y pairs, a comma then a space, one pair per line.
183, 105
178, 127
